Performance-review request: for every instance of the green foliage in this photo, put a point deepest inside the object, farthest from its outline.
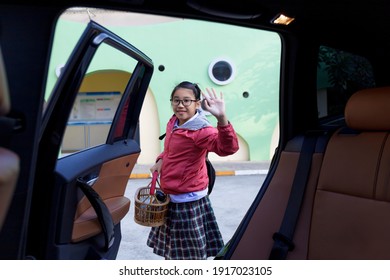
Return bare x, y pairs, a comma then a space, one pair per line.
345, 70
345, 73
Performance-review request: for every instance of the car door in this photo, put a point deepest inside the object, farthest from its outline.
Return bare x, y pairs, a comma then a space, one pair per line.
78, 200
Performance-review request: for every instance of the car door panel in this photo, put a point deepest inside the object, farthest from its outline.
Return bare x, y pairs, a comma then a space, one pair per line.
79, 222
110, 185
80, 197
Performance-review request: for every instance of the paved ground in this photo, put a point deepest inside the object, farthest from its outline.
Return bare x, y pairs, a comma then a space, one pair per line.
231, 197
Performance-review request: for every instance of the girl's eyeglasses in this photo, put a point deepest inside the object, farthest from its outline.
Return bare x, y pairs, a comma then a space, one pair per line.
185, 102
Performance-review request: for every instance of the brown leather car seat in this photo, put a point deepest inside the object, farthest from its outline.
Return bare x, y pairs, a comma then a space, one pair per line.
351, 212
345, 212
9, 161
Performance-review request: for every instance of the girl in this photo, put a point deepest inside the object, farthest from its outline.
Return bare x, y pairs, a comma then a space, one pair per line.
191, 230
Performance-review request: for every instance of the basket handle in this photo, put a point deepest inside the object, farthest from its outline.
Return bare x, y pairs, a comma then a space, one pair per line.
153, 184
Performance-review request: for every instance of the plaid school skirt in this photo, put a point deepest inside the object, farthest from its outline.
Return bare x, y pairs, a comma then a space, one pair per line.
191, 232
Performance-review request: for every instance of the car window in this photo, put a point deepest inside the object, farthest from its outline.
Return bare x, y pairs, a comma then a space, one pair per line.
339, 75
241, 62
98, 99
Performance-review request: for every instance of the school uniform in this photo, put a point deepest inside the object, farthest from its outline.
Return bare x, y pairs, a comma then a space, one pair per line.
191, 230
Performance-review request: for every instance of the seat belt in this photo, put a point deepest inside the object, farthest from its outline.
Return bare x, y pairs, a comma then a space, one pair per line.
283, 239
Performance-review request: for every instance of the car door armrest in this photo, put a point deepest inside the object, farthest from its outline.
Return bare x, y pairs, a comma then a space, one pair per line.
102, 212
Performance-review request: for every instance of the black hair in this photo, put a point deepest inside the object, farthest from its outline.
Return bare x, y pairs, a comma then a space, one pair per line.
188, 85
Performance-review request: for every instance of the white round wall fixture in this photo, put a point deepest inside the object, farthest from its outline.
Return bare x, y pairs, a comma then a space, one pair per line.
222, 71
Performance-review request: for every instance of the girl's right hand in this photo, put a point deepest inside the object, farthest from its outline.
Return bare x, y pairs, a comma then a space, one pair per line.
156, 167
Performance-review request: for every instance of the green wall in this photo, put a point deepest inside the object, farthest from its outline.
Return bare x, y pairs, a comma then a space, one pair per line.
186, 48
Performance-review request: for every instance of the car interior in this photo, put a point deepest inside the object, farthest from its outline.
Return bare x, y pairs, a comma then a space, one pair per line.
343, 213
326, 194
9, 161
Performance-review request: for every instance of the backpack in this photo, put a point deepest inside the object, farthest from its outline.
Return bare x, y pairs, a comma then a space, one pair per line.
210, 174
210, 170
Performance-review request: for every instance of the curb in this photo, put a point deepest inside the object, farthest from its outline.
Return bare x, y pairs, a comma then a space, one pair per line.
217, 173
140, 176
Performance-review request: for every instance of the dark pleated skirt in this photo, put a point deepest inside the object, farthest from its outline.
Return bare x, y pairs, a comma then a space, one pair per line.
191, 232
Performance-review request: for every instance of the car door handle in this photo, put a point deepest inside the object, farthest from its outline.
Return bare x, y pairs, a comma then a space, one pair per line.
102, 212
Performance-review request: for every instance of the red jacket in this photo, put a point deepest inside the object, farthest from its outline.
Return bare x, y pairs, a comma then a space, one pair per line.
185, 148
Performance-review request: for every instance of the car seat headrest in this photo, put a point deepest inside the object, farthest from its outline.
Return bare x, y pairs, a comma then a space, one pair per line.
369, 109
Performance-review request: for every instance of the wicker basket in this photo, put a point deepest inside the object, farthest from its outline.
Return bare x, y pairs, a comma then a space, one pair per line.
148, 210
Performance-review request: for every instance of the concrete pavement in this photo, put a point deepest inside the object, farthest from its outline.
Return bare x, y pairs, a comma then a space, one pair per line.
231, 198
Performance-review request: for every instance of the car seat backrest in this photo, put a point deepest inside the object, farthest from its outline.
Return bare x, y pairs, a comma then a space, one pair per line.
257, 240
346, 209
351, 210
9, 161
